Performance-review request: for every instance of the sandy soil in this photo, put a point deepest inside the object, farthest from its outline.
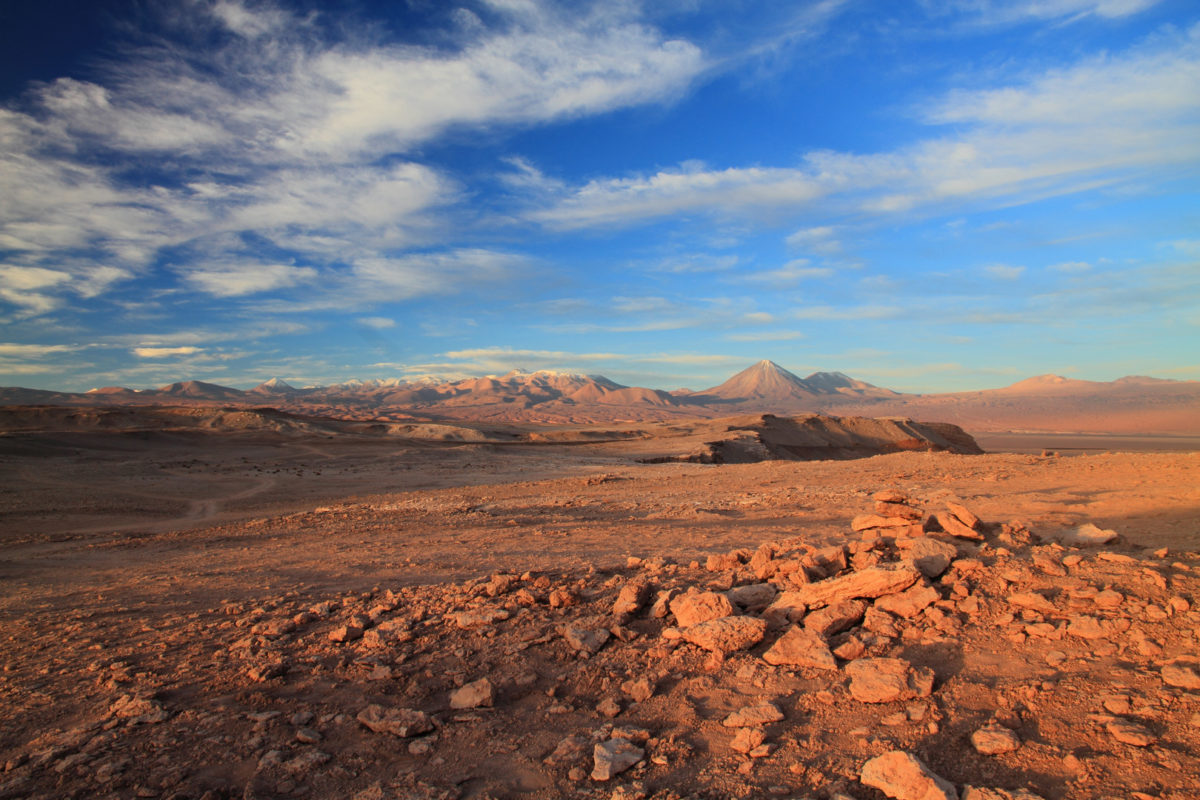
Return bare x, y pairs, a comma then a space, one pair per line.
201, 577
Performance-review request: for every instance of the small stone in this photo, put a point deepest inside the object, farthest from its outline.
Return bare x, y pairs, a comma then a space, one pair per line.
910, 602
753, 597
586, 640
963, 514
976, 793
1086, 627
835, 618
882, 680
761, 714
608, 707
401, 722
639, 689
631, 598
1033, 601
747, 739
993, 739
1129, 732
308, 735
613, 757
951, 525
1089, 534
479, 617
903, 776
727, 634
345, 633
476, 694
802, 648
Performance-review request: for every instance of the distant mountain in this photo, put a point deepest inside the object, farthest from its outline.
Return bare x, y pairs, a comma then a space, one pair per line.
1133, 404
768, 386
274, 386
199, 390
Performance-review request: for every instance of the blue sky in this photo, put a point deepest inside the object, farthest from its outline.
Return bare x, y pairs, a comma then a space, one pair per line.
930, 196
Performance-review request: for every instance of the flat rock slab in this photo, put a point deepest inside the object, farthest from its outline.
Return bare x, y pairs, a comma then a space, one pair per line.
1181, 676
475, 694
883, 680
994, 739
931, 556
761, 714
910, 602
401, 722
727, 634
800, 647
1129, 732
903, 776
951, 525
835, 618
613, 757
977, 793
867, 583
586, 640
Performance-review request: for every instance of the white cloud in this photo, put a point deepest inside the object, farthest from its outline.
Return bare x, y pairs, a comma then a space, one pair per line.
23, 286
1071, 266
243, 279
1008, 12
14, 350
165, 352
1088, 126
791, 272
377, 323
765, 336
277, 132
1004, 272
820, 239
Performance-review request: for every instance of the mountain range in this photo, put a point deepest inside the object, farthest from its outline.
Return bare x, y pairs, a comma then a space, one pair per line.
1134, 404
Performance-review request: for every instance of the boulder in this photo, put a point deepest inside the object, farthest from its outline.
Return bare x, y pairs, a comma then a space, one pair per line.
613, 757
473, 695
800, 647
993, 739
835, 618
931, 556
727, 634
903, 776
696, 607
883, 680
910, 602
401, 722
869, 583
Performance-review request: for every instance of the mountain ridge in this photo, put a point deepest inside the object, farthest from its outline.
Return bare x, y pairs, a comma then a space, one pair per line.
1130, 404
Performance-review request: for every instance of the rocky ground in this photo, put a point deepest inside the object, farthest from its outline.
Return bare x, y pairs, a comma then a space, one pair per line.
910, 650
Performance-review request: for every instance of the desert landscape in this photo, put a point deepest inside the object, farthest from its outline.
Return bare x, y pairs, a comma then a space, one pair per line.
593, 400
227, 601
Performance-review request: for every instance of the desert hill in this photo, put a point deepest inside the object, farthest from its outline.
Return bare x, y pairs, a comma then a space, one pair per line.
1046, 403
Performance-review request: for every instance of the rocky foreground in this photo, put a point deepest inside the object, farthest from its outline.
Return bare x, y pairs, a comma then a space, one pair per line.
930, 656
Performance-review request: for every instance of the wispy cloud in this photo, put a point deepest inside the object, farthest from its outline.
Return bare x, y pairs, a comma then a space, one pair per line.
275, 126
1065, 130
165, 352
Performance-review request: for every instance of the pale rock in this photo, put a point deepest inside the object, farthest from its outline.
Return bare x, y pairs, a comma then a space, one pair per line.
903, 776
800, 647
951, 525
977, 793
1033, 601
1181, 676
755, 596
631, 598
345, 633
1130, 732
867, 583
401, 722
866, 522
476, 694
727, 634
586, 640
662, 603
1089, 534
750, 716
834, 619
902, 510
613, 757
910, 602
993, 739
883, 680
963, 514
693, 608
931, 556
639, 689
1086, 627
747, 739
786, 607
138, 709
479, 617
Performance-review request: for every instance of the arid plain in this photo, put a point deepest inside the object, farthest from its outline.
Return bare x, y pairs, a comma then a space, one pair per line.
208, 603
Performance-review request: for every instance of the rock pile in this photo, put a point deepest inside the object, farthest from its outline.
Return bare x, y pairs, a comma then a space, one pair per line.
925, 657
